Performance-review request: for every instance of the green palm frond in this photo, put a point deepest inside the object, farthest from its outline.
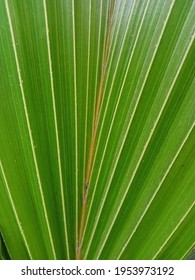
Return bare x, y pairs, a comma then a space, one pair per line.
97, 129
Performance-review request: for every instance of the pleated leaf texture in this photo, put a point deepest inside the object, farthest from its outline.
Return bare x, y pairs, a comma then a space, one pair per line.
97, 110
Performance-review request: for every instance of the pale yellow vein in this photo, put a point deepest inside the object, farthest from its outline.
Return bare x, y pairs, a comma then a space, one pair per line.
56, 128
15, 212
29, 127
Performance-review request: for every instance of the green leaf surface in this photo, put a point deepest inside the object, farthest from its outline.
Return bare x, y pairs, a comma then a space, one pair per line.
191, 256
97, 129
4, 255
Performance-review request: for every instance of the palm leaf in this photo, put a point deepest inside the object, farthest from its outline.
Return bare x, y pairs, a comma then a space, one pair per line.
97, 129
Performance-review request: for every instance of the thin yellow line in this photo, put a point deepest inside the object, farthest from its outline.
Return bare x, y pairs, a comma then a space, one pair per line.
29, 127
177, 226
76, 121
56, 128
15, 212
